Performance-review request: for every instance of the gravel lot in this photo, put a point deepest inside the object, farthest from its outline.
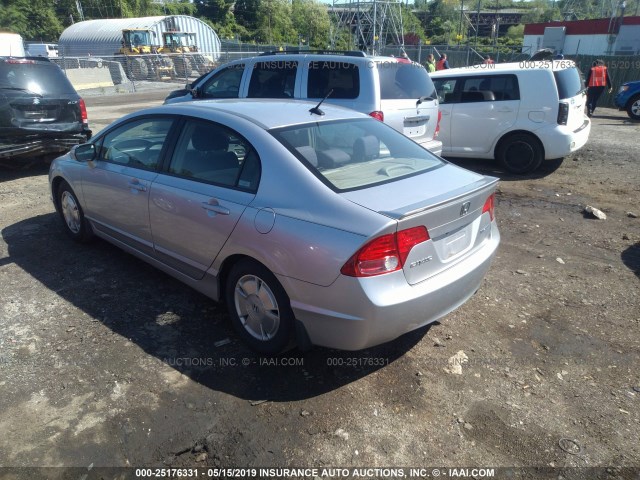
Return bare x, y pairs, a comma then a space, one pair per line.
107, 361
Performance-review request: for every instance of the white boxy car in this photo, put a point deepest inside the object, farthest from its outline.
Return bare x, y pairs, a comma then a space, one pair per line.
518, 113
395, 91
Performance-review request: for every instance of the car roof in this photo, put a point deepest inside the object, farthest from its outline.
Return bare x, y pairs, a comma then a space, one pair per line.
266, 113
498, 68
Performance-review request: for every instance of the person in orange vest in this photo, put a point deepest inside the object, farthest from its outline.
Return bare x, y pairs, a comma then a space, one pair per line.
597, 79
442, 64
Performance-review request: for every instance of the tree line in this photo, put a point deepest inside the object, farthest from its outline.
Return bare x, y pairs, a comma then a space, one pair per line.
297, 22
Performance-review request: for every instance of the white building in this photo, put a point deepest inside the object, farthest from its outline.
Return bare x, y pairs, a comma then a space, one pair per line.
599, 37
104, 37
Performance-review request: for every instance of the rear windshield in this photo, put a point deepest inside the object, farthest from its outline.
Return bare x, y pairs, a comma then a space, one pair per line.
404, 80
356, 153
38, 77
569, 82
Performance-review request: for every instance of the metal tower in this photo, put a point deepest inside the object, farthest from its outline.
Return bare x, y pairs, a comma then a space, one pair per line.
372, 24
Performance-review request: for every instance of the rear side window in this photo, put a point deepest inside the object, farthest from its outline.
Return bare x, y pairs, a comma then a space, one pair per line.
404, 80
342, 79
568, 82
273, 79
34, 77
490, 88
212, 153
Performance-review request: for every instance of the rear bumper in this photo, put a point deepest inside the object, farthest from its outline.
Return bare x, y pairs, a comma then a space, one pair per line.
434, 146
40, 144
559, 140
352, 313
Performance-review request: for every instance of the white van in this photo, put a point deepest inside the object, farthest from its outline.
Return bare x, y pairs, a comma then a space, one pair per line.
11, 45
393, 90
49, 50
517, 113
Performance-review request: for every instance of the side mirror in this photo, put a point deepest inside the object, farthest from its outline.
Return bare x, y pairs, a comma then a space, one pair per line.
194, 93
85, 152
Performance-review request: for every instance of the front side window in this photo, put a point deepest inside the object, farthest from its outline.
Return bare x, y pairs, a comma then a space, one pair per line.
273, 79
342, 79
136, 144
446, 89
211, 153
353, 154
225, 83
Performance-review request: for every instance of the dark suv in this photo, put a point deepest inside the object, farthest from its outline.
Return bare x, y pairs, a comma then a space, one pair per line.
40, 111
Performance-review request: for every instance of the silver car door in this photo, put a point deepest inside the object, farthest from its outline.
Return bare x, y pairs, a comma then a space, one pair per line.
116, 185
194, 207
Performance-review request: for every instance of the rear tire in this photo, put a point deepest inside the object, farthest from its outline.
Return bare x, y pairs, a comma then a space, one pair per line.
520, 153
182, 66
76, 225
259, 308
633, 108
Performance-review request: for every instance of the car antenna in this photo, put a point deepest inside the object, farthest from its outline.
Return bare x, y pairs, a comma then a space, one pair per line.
316, 110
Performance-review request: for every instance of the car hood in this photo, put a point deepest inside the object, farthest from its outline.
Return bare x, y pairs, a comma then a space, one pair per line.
406, 196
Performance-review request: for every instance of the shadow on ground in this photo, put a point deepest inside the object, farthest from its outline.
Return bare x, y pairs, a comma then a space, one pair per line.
493, 168
631, 258
172, 322
20, 169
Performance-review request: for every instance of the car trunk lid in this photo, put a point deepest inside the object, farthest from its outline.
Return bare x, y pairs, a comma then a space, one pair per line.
449, 202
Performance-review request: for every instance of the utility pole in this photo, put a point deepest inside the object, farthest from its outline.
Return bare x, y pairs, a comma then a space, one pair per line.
477, 23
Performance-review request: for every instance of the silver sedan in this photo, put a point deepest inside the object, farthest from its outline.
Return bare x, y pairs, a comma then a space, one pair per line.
319, 226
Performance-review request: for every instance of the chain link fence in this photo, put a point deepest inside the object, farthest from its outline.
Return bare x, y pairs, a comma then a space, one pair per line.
125, 71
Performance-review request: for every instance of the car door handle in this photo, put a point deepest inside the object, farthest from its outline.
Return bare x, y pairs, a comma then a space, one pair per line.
444, 112
136, 185
215, 208
505, 109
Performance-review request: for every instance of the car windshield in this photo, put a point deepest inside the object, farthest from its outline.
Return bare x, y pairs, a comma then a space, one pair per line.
356, 153
34, 77
399, 80
569, 82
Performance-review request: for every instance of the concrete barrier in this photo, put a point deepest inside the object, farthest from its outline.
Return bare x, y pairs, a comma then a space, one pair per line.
84, 78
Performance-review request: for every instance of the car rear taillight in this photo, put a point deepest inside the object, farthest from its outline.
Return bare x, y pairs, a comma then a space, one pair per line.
489, 206
384, 254
438, 124
83, 111
378, 115
563, 113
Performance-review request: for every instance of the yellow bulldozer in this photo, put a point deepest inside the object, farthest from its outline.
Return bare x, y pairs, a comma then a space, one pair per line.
184, 53
141, 59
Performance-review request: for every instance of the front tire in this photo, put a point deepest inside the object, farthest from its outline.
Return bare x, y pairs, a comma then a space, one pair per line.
633, 108
259, 308
76, 225
520, 153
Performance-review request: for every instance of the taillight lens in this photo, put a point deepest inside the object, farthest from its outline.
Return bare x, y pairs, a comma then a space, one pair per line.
563, 113
489, 206
83, 111
438, 124
378, 115
384, 254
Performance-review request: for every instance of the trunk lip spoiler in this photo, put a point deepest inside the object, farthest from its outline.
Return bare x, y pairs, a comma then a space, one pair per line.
486, 183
